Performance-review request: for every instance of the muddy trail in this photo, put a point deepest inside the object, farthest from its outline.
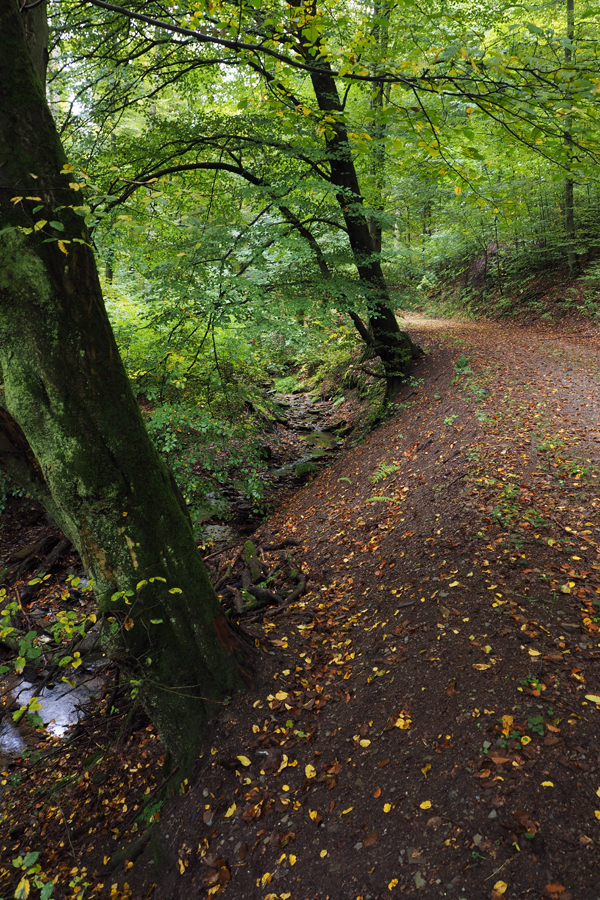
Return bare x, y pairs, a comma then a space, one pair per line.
425, 717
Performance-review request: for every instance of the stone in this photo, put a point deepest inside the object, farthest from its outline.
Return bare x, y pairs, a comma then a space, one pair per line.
419, 881
493, 814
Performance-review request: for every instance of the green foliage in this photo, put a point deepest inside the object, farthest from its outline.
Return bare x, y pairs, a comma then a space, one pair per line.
208, 454
382, 471
306, 468
32, 876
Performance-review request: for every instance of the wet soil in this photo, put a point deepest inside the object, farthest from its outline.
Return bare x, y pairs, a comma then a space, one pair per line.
425, 720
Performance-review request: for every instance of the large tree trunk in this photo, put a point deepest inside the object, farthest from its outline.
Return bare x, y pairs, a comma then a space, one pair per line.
71, 431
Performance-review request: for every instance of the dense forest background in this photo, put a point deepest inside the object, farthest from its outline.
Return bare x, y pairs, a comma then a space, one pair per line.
204, 152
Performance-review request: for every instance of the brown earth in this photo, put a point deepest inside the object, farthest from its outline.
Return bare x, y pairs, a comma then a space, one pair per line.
419, 723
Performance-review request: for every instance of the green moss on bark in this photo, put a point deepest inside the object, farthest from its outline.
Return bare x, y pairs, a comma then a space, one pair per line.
66, 389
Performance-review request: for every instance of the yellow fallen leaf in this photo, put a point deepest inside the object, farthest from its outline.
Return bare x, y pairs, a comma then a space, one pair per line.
310, 771
281, 695
392, 884
292, 859
597, 813
181, 866
313, 814
266, 878
454, 584
244, 760
507, 722
346, 811
231, 810
106, 860
323, 854
426, 804
285, 896
547, 784
500, 886
365, 742
426, 769
481, 667
525, 740
387, 807
533, 652
594, 698
23, 888
598, 792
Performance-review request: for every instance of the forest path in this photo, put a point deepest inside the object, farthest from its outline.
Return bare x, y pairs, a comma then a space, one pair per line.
426, 718
420, 722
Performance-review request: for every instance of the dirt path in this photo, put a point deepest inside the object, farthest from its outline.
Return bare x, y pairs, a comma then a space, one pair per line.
419, 723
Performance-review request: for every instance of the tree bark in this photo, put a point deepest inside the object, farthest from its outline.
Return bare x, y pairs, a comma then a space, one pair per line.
72, 434
572, 258
395, 347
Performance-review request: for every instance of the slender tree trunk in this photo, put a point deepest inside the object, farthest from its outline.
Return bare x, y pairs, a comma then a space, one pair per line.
395, 348
71, 431
376, 104
569, 196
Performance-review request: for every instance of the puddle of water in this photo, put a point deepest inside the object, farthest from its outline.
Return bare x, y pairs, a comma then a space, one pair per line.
62, 704
11, 742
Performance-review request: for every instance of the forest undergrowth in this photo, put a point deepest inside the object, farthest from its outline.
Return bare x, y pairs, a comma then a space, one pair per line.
425, 716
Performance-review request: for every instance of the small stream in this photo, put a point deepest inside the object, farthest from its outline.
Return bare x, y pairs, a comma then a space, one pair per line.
314, 431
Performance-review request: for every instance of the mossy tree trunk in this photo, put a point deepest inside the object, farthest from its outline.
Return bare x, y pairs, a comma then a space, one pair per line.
71, 431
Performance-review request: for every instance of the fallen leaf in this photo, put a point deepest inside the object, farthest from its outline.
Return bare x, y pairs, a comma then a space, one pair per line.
292, 859
313, 814
281, 695
426, 769
387, 807
533, 652
310, 771
501, 887
377, 793
392, 883
244, 760
371, 838
499, 760
594, 698
323, 854
481, 667
231, 810
345, 812
364, 742
426, 804
597, 813
507, 722
547, 784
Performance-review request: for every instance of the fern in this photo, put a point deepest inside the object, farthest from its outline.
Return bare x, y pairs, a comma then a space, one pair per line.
383, 470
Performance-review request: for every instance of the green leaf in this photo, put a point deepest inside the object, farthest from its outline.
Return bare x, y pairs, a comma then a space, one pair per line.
57, 225
46, 891
175, 591
31, 858
156, 621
